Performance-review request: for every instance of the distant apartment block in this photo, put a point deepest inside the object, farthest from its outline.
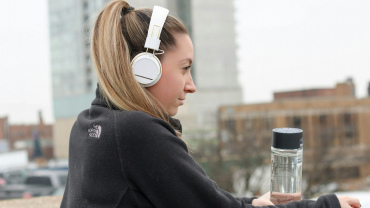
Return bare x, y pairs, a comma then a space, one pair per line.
335, 130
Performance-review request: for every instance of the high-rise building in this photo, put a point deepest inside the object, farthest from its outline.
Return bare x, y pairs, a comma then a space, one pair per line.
73, 79
211, 26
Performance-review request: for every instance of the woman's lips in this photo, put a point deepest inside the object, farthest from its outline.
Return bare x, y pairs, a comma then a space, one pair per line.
182, 101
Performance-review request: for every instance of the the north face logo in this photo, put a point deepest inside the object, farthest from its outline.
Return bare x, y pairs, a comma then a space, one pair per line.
95, 131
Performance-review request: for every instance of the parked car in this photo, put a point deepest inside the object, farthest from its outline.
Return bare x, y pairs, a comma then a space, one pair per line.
13, 176
37, 183
2, 181
59, 191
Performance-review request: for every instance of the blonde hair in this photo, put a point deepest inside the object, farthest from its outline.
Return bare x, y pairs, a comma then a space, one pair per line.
116, 39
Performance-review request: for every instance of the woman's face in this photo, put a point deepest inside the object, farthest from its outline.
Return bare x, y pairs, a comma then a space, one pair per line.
176, 80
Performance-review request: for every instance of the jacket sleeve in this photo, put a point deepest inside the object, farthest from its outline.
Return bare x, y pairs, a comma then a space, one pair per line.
157, 162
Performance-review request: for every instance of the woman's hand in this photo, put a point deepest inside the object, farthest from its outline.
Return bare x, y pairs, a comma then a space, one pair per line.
264, 200
348, 202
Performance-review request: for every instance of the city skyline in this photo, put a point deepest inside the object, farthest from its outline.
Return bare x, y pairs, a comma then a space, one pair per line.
292, 46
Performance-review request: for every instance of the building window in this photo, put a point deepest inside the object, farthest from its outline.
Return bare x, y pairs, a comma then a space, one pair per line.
324, 130
184, 13
268, 123
349, 172
86, 18
89, 84
347, 129
348, 126
231, 128
265, 132
248, 125
322, 120
85, 5
297, 122
347, 119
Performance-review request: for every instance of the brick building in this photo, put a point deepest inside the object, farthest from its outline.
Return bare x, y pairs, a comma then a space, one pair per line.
346, 89
335, 132
4, 134
22, 136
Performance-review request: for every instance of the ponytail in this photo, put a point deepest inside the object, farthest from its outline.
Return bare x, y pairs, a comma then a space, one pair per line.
116, 38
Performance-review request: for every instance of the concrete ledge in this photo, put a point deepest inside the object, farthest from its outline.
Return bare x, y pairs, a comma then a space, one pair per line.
36, 202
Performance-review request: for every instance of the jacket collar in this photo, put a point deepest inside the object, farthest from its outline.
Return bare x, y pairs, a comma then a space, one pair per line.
99, 100
176, 124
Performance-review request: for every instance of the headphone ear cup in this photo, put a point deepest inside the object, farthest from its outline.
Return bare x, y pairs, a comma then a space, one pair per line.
147, 69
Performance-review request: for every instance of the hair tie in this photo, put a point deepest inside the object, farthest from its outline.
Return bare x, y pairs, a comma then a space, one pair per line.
127, 10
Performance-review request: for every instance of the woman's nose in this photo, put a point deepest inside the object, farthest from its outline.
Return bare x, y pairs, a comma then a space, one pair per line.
190, 86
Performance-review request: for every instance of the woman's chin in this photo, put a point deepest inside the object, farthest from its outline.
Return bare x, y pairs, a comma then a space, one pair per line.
172, 112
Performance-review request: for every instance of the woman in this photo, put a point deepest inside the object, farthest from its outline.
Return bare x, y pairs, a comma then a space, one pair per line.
126, 150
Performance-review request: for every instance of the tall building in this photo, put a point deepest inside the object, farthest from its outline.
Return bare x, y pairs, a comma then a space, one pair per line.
211, 26
335, 127
73, 78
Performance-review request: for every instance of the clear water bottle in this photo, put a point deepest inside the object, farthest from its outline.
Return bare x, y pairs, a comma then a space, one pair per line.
286, 165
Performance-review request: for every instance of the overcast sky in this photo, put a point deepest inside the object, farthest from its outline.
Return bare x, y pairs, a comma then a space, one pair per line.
282, 45
295, 44
25, 86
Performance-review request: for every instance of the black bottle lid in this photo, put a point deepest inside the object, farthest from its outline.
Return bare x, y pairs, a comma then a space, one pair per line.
287, 138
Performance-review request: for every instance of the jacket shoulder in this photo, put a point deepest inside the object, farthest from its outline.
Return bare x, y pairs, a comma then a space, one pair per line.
132, 116
133, 122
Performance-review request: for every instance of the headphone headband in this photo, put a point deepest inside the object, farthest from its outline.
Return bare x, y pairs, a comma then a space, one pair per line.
157, 20
146, 66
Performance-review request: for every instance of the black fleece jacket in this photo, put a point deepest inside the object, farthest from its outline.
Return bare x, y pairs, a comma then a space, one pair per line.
131, 159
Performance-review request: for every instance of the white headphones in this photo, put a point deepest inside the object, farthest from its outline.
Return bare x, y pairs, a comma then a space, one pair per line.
146, 66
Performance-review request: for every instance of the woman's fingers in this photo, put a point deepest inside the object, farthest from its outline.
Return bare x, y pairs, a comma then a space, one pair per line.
261, 202
349, 202
266, 196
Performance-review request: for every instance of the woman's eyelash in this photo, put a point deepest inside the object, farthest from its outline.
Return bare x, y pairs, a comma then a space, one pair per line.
186, 68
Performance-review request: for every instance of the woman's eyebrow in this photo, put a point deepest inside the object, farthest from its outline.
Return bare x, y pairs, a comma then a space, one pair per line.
187, 59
